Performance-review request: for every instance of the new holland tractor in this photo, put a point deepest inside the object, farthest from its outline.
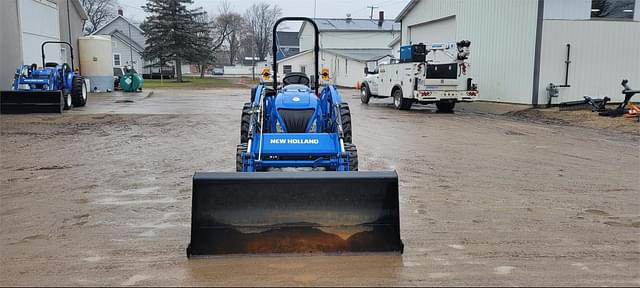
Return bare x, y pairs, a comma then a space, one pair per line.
51, 88
269, 205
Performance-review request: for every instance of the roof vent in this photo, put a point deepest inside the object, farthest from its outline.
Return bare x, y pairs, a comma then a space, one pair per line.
349, 17
380, 18
120, 12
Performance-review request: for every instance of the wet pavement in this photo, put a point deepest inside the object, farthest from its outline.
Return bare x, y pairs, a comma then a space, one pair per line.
101, 195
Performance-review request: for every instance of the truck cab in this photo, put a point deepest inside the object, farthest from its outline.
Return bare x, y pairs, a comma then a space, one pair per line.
419, 79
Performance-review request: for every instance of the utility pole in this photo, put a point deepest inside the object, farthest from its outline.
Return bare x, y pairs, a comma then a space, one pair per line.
372, 7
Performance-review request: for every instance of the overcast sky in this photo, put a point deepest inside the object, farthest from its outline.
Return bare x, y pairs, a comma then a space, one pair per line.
325, 8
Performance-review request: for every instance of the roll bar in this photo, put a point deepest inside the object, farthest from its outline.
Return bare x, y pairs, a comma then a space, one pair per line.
316, 49
57, 42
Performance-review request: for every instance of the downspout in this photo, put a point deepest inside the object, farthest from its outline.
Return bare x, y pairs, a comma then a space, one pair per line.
538, 51
69, 26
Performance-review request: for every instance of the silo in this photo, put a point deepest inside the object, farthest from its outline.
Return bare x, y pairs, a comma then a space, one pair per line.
96, 62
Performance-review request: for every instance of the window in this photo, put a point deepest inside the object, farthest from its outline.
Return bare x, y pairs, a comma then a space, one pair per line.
303, 69
116, 60
612, 9
286, 69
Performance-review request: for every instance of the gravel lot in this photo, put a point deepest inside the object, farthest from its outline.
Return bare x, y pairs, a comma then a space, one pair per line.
101, 195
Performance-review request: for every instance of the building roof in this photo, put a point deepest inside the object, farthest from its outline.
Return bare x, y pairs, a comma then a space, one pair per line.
351, 25
406, 10
395, 41
287, 39
97, 32
360, 54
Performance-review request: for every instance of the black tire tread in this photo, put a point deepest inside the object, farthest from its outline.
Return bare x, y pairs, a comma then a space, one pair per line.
352, 151
347, 127
241, 148
76, 92
245, 123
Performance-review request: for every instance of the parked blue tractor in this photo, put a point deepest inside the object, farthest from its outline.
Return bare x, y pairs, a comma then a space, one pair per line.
269, 205
51, 88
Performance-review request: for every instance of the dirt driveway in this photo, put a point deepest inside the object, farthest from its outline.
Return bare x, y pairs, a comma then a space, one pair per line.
102, 196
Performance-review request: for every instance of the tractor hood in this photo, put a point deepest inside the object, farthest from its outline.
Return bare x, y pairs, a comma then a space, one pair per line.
296, 99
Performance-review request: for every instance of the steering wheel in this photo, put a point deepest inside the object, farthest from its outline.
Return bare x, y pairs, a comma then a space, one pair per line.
296, 79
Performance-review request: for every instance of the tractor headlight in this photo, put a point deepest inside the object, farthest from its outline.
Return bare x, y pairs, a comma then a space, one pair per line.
314, 127
279, 127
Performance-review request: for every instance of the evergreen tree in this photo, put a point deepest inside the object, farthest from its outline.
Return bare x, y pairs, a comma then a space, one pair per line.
172, 32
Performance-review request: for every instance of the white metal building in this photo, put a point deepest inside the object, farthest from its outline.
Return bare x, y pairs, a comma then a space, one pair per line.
24, 26
519, 47
346, 66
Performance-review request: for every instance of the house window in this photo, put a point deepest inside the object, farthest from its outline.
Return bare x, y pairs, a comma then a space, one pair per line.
286, 69
303, 69
116, 60
612, 9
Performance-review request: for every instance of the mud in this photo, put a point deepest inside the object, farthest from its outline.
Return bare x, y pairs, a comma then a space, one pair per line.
102, 196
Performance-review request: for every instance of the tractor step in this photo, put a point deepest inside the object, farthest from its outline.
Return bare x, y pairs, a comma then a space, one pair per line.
294, 212
17, 102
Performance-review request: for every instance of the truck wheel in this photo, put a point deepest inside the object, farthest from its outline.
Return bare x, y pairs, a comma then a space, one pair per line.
352, 151
79, 92
244, 123
347, 128
445, 106
241, 148
399, 102
365, 94
68, 103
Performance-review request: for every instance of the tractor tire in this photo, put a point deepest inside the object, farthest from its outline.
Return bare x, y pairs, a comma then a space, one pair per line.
347, 128
352, 151
365, 94
79, 92
241, 148
399, 102
244, 123
68, 101
445, 106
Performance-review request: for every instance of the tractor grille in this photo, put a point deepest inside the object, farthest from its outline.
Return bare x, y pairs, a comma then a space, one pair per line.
296, 120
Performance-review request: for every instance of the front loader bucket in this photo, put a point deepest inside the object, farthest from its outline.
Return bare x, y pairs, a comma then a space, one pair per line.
14, 102
294, 212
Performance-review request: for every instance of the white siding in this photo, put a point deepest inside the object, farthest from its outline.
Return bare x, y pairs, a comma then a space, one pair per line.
437, 31
122, 48
502, 35
636, 11
343, 71
567, 9
33, 13
602, 54
337, 40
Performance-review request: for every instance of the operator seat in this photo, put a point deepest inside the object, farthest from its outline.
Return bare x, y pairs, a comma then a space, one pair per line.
295, 78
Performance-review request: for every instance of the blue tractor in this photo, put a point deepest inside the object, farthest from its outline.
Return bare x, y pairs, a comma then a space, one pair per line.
51, 88
268, 205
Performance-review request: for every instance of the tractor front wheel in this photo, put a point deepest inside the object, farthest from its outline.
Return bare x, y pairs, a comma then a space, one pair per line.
79, 92
352, 151
241, 148
68, 103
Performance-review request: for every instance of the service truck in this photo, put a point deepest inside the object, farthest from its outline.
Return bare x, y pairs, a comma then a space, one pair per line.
419, 78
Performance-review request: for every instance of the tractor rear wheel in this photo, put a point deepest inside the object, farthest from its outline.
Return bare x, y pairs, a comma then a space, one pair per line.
78, 92
241, 148
352, 151
244, 122
347, 128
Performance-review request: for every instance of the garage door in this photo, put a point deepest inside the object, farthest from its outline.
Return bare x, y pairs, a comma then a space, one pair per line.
34, 16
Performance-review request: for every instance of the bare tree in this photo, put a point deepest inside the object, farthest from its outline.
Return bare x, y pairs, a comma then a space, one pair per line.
260, 18
99, 12
229, 25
